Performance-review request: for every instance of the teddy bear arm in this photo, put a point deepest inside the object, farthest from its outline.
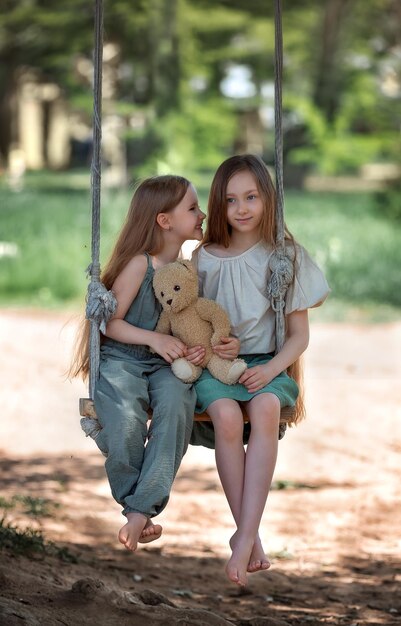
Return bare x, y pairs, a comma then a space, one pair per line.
212, 312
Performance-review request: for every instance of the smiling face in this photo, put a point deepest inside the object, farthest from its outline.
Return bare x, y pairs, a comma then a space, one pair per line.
185, 220
244, 204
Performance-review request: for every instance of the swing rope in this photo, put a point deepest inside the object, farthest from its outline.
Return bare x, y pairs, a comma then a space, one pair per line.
101, 303
281, 262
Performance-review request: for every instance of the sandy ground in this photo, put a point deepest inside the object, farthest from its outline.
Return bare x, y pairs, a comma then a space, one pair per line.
333, 533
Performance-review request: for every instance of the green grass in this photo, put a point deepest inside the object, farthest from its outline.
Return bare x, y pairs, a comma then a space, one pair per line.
359, 250
29, 541
49, 221
50, 224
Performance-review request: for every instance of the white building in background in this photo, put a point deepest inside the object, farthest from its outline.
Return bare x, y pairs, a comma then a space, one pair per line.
41, 123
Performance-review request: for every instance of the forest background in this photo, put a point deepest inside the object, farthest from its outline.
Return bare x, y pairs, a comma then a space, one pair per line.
187, 83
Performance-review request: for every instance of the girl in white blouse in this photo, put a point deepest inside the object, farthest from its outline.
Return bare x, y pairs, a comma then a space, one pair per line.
233, 270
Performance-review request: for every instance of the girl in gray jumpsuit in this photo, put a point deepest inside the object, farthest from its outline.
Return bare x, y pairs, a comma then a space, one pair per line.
135, 373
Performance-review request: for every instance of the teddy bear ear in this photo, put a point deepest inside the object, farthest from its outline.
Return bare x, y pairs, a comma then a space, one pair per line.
187, 264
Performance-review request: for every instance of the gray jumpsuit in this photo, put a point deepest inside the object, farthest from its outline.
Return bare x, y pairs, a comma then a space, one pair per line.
141, 464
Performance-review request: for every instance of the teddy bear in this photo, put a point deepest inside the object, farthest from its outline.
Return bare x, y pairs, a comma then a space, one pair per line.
194, 320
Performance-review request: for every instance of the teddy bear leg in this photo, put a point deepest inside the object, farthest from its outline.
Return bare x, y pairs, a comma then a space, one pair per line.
186, 371
227, 372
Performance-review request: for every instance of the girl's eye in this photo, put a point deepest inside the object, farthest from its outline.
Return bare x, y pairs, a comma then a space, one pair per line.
230, 200
251, 196
162, 294
177, 288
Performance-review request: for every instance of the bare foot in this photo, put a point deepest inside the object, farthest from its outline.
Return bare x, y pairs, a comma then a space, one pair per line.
236, 567
151, 532
131, 531
258, 561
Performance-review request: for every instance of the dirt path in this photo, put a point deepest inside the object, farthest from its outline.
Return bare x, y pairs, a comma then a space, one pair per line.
333, 532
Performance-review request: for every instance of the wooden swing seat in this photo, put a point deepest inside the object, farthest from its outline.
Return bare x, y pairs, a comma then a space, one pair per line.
87, 409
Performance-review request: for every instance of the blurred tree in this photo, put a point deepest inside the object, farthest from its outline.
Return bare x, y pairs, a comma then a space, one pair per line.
340, 68
39, 34
329, 68
146, 32
346, 114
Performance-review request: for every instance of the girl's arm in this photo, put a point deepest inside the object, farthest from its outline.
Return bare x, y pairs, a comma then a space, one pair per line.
125, 289
296, 342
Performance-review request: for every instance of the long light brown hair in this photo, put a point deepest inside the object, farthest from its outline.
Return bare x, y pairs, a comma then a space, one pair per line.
218, 230
140, 233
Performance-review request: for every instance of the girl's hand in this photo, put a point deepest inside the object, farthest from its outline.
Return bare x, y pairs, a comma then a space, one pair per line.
228, 348
256, 377
168, 347
195, 355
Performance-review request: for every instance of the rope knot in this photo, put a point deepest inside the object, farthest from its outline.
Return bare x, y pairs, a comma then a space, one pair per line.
281, 265
101, 304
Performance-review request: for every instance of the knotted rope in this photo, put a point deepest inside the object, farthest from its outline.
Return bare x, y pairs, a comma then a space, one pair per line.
281, 264
101, 304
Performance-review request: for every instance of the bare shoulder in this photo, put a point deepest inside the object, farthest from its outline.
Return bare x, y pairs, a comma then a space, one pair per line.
132, 274
128, 283
136, 266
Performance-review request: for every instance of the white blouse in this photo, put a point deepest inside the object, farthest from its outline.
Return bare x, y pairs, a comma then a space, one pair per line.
239, 285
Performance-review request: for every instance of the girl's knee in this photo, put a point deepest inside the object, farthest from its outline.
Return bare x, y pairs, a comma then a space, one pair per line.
266, 403
264, 412
228, 422
174, 414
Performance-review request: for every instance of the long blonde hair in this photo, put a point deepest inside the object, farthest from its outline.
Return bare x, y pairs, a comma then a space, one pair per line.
140, 233
219, 231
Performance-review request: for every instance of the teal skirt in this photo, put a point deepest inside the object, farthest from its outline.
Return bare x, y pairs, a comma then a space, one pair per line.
208, 389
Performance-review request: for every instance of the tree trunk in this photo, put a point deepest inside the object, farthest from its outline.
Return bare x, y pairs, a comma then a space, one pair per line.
328, 84
8, 130
164, 58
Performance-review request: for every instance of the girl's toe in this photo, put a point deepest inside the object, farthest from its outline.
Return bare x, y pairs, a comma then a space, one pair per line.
254, 566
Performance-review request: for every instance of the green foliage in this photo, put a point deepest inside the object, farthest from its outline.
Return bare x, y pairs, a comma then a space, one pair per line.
26, 541
339, 153
195, 139
167, 48
36, 507
29, 505
359, 250
29, 541
333, 148
43, 35
388, 201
